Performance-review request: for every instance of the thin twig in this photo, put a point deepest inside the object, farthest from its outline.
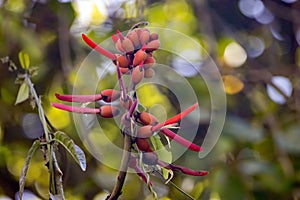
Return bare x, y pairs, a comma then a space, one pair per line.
174, 185
117, 191
55, 185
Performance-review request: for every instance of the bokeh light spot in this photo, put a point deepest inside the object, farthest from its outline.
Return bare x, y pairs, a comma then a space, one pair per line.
251, 8
185, 68
232, 84
266, 17
289, 1
254, 46
283, 84
234, 55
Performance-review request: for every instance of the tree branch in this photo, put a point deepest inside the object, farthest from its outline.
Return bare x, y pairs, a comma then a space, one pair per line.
117, 191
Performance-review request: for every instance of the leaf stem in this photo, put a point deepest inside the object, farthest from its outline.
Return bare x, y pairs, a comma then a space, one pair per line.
178, 188
53, 166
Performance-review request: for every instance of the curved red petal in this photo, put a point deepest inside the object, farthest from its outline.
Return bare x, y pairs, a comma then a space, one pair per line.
182, 169
98, 48
181, 140
79, 98
176, 118
76, 109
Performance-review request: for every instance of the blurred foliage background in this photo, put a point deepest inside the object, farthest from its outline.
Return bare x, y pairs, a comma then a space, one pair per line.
255, 45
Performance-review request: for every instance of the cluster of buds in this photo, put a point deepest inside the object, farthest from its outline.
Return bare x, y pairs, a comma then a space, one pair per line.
136, 50
135, 58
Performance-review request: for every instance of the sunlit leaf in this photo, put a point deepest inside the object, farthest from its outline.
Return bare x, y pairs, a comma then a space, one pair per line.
24, 60
170, 175
30, 153
23, 93
72, 148
232, 84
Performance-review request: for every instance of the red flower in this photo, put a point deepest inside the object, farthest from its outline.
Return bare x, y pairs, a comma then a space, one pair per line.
98, 48
148, 130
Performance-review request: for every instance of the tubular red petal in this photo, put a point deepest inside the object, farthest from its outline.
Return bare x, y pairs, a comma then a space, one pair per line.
98, 48
76, 109
79, 98
114, 38
176, 118
120, 35
182, 169
180, 140
144, 47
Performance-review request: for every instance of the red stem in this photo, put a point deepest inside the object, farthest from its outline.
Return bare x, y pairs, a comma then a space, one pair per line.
133, 164
121, 84
131, 109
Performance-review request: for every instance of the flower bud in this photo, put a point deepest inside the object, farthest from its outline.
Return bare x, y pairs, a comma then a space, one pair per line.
143, 144
149, 62
119, 46
139, 56
124, 70
147, 118
150, 158
108, 111
127, 45
153, 45
153, 36
145, 132
137, 75
149, 73
138, 31
123, 61
132, 35
110, 95
144, 36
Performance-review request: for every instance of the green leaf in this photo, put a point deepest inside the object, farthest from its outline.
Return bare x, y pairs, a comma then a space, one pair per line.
141, 108
163, 153
23, 93
30, 154
72, 148
24, 60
